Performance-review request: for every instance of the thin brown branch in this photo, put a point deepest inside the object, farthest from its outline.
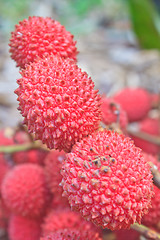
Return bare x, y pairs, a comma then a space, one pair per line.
156, 174
144, 136
145, 231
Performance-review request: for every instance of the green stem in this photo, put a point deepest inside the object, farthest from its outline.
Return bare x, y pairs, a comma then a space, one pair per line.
145, 231
20, 147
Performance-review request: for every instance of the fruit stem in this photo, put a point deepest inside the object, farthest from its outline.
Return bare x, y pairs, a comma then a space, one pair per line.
22, 147
144, 136
145, 231
156, 174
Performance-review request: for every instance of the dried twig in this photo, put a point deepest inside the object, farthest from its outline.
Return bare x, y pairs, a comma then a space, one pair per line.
145, 231
156, 174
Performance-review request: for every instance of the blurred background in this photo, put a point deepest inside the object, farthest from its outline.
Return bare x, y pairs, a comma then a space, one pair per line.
118, 41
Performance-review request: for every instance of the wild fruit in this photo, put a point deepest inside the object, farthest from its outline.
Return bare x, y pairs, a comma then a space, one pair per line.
24, 190
58, 102
106, 178
113, 113
37, 36
136, 102
21, 228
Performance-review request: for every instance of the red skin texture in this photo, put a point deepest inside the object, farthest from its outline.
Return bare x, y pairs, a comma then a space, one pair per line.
53, 165
24, 190
69, 234
109, 116
153, 216
37, 36
136, 102
58, 102
127, 234
4, 215
150, 126
4, 168
65, 218
107, 180
21, 228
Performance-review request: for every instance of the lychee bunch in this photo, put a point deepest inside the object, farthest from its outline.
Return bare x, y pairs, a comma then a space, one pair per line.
22, 228
37, 36
69, 234
58, 102
135, 101
106, 178
65, 218
24, 190
150, 126
113, 113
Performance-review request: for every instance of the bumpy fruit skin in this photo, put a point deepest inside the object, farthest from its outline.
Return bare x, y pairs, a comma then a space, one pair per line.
37, 36
65, 218
110, 111
150, 126
21, 228
153, 216
58, 102
69, 234
53, 165
136, 102
24, 190
106, 178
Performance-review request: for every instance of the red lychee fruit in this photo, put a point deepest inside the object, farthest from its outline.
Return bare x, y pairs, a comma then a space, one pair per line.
106, 178
21, 228
113, 113
150, 126
58, 102
37, 36
4, 168
4, 215
127, 234
24, 190
136, 102
153, 216
69, 234
53, 165
65, 218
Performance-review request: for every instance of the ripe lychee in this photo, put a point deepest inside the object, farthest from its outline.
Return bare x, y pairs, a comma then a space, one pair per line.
65, 218
153, 216
24, 190
21, 228
150, 126
58, 102
136, 102
113, 113
53, 165
37, 36
106, 178
69, 234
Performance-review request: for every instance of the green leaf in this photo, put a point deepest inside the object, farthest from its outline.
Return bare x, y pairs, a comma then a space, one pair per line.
145, 20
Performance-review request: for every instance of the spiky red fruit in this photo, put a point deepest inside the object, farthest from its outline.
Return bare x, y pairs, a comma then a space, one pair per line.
136, 102
58, 102
69, 234
113, 113
37, 36
65, 218
24, 190
150, 126
106, 178
153, 216
53, 165
21, 228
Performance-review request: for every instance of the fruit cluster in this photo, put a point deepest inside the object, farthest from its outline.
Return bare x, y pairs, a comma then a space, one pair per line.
104, 177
